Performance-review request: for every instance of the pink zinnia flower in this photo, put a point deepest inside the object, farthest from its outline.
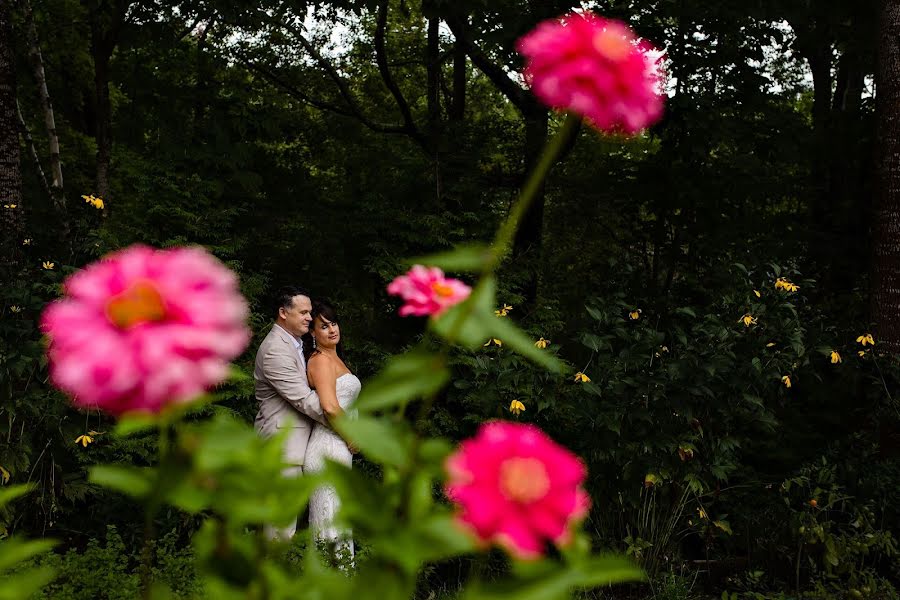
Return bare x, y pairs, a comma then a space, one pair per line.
517, 487
143, 328
427, 292
593, 67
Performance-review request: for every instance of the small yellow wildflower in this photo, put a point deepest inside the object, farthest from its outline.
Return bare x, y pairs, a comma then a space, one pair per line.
770, 344
783, 284
4, 475
10, 206
747, 320
860, 353
48, 265
15, 308
503, 311
579, 376
786, 380
84, 440
758, 295
866, 339
702, 513
516, 407
94, 201
835, 357
542, 343
635, 314
26, 242
494, 341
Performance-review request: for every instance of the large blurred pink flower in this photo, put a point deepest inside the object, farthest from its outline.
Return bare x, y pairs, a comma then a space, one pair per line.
596, 68
517, 487
426, 291
143, 328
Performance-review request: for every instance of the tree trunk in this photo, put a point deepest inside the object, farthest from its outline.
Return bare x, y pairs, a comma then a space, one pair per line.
458, 107
11, 213
886, 239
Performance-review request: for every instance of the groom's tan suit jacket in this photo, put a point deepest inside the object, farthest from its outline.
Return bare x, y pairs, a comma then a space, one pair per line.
285, 398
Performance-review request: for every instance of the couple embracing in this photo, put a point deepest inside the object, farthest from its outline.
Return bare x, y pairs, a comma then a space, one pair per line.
302, 384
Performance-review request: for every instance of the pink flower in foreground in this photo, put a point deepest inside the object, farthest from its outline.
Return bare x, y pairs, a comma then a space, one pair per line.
593, 67
427, 292
143, 328
517, 487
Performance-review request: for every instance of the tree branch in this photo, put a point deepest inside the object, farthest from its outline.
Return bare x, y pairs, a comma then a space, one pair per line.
512, 90
381, 59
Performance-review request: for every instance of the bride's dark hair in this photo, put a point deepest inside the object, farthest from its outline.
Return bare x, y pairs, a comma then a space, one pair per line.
322, 308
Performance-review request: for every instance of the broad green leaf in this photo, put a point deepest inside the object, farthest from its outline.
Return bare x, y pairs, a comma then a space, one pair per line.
516, 339
132, 423
16, 550
379, 439
10, 493
558, 583
467, 258
414, 375
468, 323
25, 583
134, 481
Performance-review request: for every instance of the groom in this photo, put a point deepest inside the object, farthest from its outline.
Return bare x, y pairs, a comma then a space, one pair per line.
282, 390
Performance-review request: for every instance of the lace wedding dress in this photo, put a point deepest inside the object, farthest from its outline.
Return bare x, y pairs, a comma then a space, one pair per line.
324, 444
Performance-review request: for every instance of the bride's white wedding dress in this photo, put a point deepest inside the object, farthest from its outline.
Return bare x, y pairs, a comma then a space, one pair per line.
326, 444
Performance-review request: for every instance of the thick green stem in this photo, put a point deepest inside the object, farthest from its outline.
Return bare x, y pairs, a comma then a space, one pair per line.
549, 156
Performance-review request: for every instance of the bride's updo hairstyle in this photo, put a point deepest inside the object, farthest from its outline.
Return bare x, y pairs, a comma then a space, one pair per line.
324, 309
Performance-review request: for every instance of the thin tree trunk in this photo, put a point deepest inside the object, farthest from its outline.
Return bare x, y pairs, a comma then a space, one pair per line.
458, 107
37, 64
886, 239
11, 212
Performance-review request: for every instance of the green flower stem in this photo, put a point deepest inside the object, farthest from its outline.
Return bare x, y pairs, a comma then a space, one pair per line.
549, 156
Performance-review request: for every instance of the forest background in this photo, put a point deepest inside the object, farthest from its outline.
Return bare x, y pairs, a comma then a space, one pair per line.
741, 433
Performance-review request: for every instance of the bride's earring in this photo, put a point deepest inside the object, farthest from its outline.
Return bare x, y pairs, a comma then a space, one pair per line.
314, 343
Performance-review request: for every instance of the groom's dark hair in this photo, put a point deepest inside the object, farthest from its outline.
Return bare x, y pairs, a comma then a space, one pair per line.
285, 297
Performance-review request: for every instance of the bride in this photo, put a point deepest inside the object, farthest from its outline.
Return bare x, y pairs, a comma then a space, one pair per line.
337, 388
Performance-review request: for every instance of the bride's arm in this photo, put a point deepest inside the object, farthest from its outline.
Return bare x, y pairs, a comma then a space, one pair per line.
321, 377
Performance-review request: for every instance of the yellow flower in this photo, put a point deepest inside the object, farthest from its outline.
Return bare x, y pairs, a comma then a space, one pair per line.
786, 380
747, 320
48, 265
635, 314
503, 311
783, 284
516, 407
702, 513
770, 344
866, 339
4, 475
26, 242
10, 206
861, 353
835, 357
15, 308
579, 376
494, 341
758, 295
84, 440
94, 201
542, 343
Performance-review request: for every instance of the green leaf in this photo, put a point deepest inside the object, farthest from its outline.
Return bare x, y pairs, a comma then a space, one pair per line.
515, 338
134, 481
135, 423
10, 493
559, 582
414, 375
466, 258
468, 323
25, 583
15, 550
380, 440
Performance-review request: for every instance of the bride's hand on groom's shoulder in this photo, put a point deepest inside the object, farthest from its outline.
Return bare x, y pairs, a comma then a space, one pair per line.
353, 449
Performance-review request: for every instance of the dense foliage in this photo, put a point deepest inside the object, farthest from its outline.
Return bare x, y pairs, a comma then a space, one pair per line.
740, 439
